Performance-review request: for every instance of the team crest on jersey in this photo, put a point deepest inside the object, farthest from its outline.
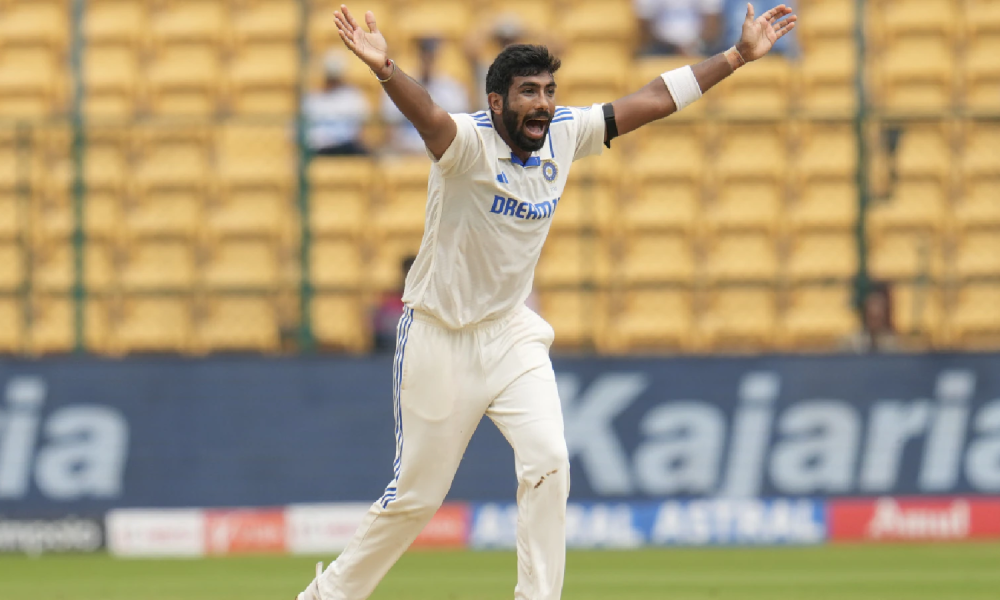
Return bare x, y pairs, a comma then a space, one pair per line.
549, 170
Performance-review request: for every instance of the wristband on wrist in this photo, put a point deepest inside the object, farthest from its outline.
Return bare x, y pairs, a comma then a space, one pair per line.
388, 62
734, 51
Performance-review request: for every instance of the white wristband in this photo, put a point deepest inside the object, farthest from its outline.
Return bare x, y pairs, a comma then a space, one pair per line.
682, 85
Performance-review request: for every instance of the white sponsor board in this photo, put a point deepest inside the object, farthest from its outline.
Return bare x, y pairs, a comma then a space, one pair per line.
167, 532
321, 528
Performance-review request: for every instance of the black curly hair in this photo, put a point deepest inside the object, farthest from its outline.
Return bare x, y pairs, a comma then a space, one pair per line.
519, 60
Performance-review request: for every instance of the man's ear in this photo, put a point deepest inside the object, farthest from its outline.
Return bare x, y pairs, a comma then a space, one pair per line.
496, 102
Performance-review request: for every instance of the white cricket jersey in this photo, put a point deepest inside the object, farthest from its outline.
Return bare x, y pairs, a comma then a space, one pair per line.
488, 215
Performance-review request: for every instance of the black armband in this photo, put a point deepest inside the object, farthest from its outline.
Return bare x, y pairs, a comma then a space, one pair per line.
610, 125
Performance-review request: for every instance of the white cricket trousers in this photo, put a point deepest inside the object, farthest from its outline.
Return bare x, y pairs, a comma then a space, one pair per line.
444, 381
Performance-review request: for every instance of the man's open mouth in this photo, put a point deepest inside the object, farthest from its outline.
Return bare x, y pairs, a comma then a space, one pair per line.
535, 128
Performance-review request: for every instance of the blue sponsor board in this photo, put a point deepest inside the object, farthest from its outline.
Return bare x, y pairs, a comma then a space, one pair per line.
80, 436
709, 522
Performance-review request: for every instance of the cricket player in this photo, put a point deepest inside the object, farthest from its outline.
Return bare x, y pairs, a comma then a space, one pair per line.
467, 345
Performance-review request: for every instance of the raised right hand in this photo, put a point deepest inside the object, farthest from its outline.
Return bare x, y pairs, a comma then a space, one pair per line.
369, 47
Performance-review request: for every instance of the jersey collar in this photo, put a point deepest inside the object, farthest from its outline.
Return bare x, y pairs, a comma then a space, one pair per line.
504, 152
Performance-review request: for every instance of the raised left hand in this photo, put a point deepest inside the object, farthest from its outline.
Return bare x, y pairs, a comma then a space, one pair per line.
760, 34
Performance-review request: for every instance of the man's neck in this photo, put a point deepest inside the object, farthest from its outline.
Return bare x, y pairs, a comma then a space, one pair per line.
514, 148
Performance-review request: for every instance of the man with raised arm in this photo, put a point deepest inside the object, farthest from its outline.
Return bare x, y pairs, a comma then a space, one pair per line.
466, 344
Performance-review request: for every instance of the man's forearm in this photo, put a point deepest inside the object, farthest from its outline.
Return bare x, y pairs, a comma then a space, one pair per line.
411, 98
712, 70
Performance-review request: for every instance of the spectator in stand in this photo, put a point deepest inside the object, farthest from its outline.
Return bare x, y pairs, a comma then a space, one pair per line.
878, 333
449, 94
388, 312
335, 115
733, 14
684, 27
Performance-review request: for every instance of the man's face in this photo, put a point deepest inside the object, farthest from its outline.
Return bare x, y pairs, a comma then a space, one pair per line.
528, 109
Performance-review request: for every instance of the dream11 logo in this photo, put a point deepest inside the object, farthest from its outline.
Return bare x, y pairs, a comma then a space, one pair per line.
75, 452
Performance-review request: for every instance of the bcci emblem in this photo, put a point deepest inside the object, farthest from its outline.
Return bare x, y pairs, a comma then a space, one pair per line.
550, 171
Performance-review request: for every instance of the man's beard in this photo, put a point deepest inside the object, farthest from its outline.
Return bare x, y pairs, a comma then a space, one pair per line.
516, 133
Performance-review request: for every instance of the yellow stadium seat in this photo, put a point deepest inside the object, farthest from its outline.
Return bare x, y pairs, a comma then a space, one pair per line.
54, 269
12, 319
818, 317
249, 214
917, 76
982, 18
190, 22
663, 206
576, 316
270, 21
826, 19
924, 154
573, 260
828, 72
740, 318
345, 173
653, 258
745, 206
12, 267
238, 323
32, 87
35, 23
115, 22
448, 19
53, 324
589, 75
165, 213
976, 315
340, 321
654, 319
586, 207
105, 170
256, 156
904, 255
753, 153
914, 206
402, 213
159, 265
763, 91
12, 219
827, 152
385, 269
978, 255
742, 258
264, 79
668, 152
241, 264
981, 159
336, 264
825, 205
338, 213
919, 18
112, 82
185, 81
917, 311
823, 256
981, 73
980, 209
168, 135
153, 324
596, 20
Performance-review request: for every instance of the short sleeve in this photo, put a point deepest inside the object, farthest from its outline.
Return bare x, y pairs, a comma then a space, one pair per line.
464, 150
589, 130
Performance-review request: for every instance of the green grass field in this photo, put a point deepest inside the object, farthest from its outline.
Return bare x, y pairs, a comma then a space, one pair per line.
938, 572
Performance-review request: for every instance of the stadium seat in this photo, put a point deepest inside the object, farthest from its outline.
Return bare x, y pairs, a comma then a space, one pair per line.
980, 209
924, 18
904, 255
924, 154
12, 218
763, 91
12, 267
115, 23
256, 155
978, 255
981, 73
53, 269
740, 319
745, 206
185, 81
818, 317
338, 213
105, 170
670, 153
653, 319
596, 20
165, 214
336, 265
385, 268
111, 77
826, 19
917, 311
827, 152
982, 18
343, 173
264, 79
159, 265
752, 153
237, 323
12, 319
981, 159
825, 205
914, 206
37, 23
656, 258
828, 70
573, 260
448, 19
340, 321
663, 206
32, 86
823, 257
586, 207
576, 316
270, 21
186, 22
241, 265
742, 258
592, 75
53, 324
249, 214
403, 212
153, 324
975, 317
917, 76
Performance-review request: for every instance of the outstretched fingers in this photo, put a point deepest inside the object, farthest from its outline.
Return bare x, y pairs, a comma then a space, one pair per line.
349, 16
370, 21
785, 26
750, 13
